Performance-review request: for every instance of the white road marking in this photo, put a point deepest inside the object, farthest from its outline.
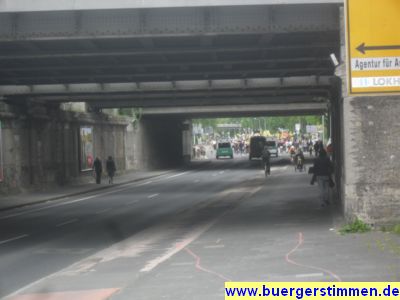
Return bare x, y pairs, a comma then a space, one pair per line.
14, 239
222, 172
67, 222
182, 244
279, 168
131, 247
47, 207
63, 251
214, 247
196, 181
177, 175
113, 191
153, 196
309, 275
72, 201
146, 183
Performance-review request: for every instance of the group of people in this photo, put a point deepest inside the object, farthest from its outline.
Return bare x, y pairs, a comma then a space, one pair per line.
321, 170
98, 169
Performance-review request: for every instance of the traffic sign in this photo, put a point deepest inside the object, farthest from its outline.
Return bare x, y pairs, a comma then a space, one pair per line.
373, 46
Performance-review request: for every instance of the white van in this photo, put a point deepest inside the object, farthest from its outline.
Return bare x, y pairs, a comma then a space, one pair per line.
272, 147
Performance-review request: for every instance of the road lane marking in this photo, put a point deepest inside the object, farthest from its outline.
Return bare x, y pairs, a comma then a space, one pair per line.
63, 251
14, 239
67, 222
279, 168
187, 240
196, 181
177, 175
214, 247
47, 207
153, 196
132, 247
123, 187
222, 172
145, 183
127, 248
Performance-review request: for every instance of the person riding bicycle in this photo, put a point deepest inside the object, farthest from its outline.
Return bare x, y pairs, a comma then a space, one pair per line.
292, 151
266, 155
299, 159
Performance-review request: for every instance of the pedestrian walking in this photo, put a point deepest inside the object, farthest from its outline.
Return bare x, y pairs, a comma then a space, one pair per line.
110, 166
322, 173
98, 169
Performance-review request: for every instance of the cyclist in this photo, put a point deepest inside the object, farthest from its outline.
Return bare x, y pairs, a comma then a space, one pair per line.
266, 155
299, 159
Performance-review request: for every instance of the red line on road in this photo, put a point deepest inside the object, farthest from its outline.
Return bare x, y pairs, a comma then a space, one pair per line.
290, 261
200, 268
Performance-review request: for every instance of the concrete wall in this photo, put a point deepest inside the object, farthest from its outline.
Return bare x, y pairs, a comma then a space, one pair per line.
41, 145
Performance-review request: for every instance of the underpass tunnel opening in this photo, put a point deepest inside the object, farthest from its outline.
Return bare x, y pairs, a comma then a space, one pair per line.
208, 134
161, 142
285, 128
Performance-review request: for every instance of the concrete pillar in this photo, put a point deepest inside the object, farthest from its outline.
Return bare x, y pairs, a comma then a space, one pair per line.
370, 177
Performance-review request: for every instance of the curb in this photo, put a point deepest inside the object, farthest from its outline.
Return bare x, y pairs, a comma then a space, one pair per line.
101, 188
73, 194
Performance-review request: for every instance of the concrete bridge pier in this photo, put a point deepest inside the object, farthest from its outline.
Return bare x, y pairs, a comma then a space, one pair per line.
371, 165
370, 153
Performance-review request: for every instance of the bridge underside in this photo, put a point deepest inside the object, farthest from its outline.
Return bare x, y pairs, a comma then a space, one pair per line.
170, 57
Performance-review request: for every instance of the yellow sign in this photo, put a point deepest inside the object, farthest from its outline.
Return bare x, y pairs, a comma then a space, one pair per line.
373, 46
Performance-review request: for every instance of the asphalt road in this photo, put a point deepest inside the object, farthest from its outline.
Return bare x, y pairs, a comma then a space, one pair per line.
182, 235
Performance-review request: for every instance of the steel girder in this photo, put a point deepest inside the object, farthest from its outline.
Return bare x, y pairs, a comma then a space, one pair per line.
62, 5
189, 21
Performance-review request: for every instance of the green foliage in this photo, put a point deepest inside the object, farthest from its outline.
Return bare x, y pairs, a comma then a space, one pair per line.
357, 226
393, 229
135, 113
396, 229
268, 123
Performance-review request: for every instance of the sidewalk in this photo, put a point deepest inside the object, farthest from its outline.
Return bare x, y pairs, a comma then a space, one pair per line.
54, 193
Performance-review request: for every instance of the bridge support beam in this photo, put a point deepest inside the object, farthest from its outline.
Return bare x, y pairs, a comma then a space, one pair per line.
371, 164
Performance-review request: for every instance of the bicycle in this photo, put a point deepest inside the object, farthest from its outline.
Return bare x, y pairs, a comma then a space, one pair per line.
299, 165
267, 168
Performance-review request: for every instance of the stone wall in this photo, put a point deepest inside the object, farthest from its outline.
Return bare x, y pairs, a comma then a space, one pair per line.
41, 145
372, 190
370, 128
